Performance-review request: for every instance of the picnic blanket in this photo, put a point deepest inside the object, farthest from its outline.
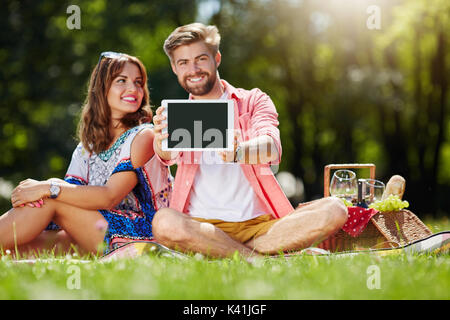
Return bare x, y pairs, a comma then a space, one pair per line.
438, 243
135, 249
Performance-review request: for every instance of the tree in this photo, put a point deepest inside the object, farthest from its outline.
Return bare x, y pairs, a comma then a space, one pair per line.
46, 65
347, 93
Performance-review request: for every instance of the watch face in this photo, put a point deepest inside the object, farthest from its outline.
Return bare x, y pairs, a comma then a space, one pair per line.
54, 191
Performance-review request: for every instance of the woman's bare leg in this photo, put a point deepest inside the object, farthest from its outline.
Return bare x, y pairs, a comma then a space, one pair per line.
54, 241
20, 226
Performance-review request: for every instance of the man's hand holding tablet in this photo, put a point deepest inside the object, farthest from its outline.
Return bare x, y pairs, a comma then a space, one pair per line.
160, 136
194, 125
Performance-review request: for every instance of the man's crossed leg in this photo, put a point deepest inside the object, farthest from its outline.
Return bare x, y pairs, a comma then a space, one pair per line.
307, 225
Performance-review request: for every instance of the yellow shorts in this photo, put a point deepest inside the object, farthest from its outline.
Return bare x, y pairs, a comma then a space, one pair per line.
245, 230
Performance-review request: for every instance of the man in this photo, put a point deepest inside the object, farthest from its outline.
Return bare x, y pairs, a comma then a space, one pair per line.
228, 201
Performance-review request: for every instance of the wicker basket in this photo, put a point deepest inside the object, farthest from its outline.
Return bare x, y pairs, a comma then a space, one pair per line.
384, 230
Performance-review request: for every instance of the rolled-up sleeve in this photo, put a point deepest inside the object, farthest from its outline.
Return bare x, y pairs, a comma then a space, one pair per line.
166, 162
264, 119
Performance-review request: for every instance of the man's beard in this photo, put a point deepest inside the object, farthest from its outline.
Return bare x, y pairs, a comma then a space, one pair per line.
202, 90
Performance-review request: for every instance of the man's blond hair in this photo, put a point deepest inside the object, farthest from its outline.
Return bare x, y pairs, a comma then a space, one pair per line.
191, 33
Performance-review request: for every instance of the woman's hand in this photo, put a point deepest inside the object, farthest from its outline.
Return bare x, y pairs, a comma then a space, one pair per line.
34, 204
30, 192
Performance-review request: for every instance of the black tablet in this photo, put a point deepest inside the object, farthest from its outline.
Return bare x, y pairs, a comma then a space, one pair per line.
197, 125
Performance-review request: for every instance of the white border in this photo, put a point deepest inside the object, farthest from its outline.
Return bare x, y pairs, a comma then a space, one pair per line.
230, 129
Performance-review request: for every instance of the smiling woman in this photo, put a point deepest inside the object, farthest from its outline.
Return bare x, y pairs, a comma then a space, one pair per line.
126, 92
122, 75
114, 184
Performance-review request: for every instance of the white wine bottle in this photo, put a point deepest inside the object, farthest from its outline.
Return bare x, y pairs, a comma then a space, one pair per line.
361, 202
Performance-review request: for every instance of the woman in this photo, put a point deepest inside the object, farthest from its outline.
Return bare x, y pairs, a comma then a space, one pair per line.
114, 183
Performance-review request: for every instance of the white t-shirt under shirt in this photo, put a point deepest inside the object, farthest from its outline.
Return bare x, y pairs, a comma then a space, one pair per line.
221, 191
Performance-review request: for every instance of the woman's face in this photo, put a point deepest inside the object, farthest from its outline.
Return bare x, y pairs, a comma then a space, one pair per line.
126, 92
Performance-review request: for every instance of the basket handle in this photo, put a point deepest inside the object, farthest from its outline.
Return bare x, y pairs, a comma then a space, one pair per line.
329, 167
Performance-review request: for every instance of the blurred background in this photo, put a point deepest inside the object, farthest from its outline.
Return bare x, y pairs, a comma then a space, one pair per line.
354, 81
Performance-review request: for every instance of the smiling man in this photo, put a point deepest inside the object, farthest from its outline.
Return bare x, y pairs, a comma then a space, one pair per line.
234, 202
196, 69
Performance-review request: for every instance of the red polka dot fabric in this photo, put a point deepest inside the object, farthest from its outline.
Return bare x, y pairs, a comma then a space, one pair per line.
358, 218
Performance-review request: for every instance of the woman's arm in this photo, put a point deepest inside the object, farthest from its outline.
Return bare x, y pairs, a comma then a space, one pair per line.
91, 197
86, 197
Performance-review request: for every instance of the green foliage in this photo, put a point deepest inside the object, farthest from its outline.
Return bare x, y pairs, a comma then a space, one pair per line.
344, 93
46, 66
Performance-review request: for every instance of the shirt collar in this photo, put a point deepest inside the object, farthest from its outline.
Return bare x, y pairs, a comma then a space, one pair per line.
232, 91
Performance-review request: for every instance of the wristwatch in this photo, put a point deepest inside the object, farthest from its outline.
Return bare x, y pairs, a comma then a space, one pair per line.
55, 189
238, 155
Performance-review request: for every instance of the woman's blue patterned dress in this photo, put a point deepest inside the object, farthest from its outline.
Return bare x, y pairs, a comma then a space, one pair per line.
132, 218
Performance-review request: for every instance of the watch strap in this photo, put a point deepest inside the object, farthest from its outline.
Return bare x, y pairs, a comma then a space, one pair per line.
238, 154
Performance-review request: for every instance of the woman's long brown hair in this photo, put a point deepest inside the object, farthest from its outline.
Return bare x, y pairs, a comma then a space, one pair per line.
95, 122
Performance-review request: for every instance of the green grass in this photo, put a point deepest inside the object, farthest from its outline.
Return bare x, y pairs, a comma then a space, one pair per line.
437, 225
150, 277
302, 277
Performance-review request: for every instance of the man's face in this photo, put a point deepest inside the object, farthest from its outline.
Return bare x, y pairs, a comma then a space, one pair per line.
195, 67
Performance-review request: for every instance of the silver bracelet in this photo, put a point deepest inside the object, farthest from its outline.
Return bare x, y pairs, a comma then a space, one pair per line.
238, 154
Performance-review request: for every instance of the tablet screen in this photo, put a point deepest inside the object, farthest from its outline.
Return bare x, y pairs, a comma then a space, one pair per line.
199, 124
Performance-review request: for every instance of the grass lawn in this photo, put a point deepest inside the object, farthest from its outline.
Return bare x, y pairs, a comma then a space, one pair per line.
303, 277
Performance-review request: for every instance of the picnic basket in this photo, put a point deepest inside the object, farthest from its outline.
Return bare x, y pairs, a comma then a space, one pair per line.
384, 230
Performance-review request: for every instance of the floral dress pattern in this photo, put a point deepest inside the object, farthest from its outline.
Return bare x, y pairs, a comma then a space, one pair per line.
132, 218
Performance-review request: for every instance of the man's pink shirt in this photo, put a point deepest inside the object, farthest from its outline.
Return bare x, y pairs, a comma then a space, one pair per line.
255, 115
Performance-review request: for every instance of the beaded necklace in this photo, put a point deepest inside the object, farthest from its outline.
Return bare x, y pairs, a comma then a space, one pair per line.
105, 155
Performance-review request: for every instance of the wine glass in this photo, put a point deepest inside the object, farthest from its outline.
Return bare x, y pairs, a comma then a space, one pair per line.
373, 190
343, 185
